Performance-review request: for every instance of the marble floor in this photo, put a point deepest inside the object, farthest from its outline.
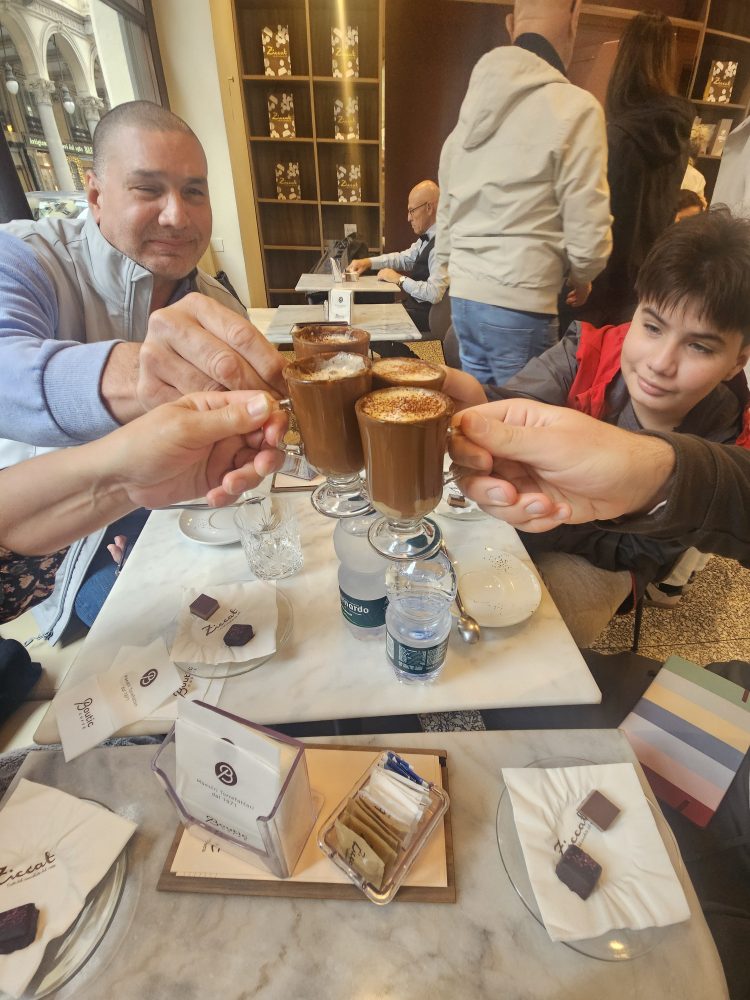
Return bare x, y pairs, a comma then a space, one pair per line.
711, 623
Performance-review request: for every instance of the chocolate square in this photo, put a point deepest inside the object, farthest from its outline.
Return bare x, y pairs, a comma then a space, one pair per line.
204, 606
238, 635
578, 871
18, 928
599, 810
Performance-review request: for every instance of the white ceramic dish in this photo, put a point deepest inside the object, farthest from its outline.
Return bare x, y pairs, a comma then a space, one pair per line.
209, 527
497, 588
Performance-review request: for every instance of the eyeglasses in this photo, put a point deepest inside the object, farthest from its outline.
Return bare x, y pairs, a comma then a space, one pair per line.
411, 211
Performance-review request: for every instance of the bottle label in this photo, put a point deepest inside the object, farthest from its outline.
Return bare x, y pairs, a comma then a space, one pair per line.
362, 613
413, 660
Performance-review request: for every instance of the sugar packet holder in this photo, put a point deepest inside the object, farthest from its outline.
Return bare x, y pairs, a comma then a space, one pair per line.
284, 831
408, 850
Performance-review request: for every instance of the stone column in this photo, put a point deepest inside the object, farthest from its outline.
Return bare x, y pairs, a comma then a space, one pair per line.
42, 91
92, 109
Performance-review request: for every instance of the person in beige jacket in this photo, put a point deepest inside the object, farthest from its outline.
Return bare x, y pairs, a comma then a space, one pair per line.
524, 198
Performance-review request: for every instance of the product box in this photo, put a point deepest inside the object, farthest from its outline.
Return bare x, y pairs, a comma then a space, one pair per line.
720, 81
281, 123
722, 134
288, 186
276, 57
346, 118
349, 182
345, 52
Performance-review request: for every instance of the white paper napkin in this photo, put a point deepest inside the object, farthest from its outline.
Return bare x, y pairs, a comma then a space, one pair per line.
140, 679
69, 845
638, 886
199, 641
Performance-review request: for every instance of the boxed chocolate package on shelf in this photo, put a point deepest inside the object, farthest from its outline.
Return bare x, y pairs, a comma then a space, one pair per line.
345, 51
288, 187
349, 182
722, 134
276, 56
720, 81
281, 124
346, 118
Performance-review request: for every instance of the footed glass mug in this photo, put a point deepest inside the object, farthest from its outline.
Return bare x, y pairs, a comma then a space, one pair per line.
404, 436
310, 339
323, 391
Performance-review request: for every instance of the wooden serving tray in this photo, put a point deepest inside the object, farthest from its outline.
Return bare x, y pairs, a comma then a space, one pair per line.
170, 882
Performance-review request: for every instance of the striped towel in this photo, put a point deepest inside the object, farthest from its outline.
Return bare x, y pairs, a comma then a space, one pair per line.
690, 732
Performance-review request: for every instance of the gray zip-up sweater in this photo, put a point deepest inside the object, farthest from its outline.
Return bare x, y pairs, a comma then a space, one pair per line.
66, 297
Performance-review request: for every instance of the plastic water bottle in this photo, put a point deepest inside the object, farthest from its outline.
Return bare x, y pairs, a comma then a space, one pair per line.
361, 578
418, 619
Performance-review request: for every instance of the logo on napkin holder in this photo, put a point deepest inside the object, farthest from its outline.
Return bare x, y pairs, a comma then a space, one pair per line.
149, 677
225, 773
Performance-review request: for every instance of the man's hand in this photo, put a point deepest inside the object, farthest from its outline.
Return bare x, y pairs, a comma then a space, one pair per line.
388, 274
195, 345
463, 388
360, 265
539, 466
578, 294
215, 444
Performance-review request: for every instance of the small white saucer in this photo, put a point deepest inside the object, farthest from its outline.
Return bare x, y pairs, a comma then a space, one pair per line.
496, 587
468, 513
210, 527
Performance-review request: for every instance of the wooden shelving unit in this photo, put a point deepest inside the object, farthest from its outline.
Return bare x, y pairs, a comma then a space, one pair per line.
292, 233
706, 30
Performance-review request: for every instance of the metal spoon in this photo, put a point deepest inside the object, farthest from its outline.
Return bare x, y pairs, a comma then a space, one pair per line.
468, 627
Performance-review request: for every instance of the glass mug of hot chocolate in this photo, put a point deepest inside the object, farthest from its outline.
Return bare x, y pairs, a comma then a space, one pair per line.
322, 338
404, 436
323, 391
407, 371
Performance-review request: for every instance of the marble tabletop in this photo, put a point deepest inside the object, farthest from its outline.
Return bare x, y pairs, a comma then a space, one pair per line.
383, 321
182, 946
324, 672
369, 283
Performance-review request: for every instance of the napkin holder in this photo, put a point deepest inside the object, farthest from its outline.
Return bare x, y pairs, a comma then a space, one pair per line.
284, 831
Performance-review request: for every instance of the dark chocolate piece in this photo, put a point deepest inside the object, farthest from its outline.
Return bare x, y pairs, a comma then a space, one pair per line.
578, 871
456, 501
204, 606
599, 810
18, 928
238, 635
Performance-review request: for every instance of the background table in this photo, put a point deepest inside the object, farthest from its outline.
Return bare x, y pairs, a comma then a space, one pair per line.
369, 283
324, 672
487, 944
383, 321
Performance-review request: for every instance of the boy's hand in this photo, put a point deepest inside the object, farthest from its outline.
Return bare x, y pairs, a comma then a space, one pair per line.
578, 294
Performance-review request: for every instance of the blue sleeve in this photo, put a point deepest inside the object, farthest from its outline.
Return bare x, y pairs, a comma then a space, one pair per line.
49, 387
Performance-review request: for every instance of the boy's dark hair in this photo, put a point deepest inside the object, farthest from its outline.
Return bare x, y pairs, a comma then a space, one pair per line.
703, 262
688, 199
140, 114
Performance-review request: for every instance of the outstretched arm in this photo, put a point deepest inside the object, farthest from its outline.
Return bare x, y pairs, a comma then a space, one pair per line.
215, 444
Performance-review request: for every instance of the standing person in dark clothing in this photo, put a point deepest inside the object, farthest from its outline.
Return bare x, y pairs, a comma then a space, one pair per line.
416, 271
648, 135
